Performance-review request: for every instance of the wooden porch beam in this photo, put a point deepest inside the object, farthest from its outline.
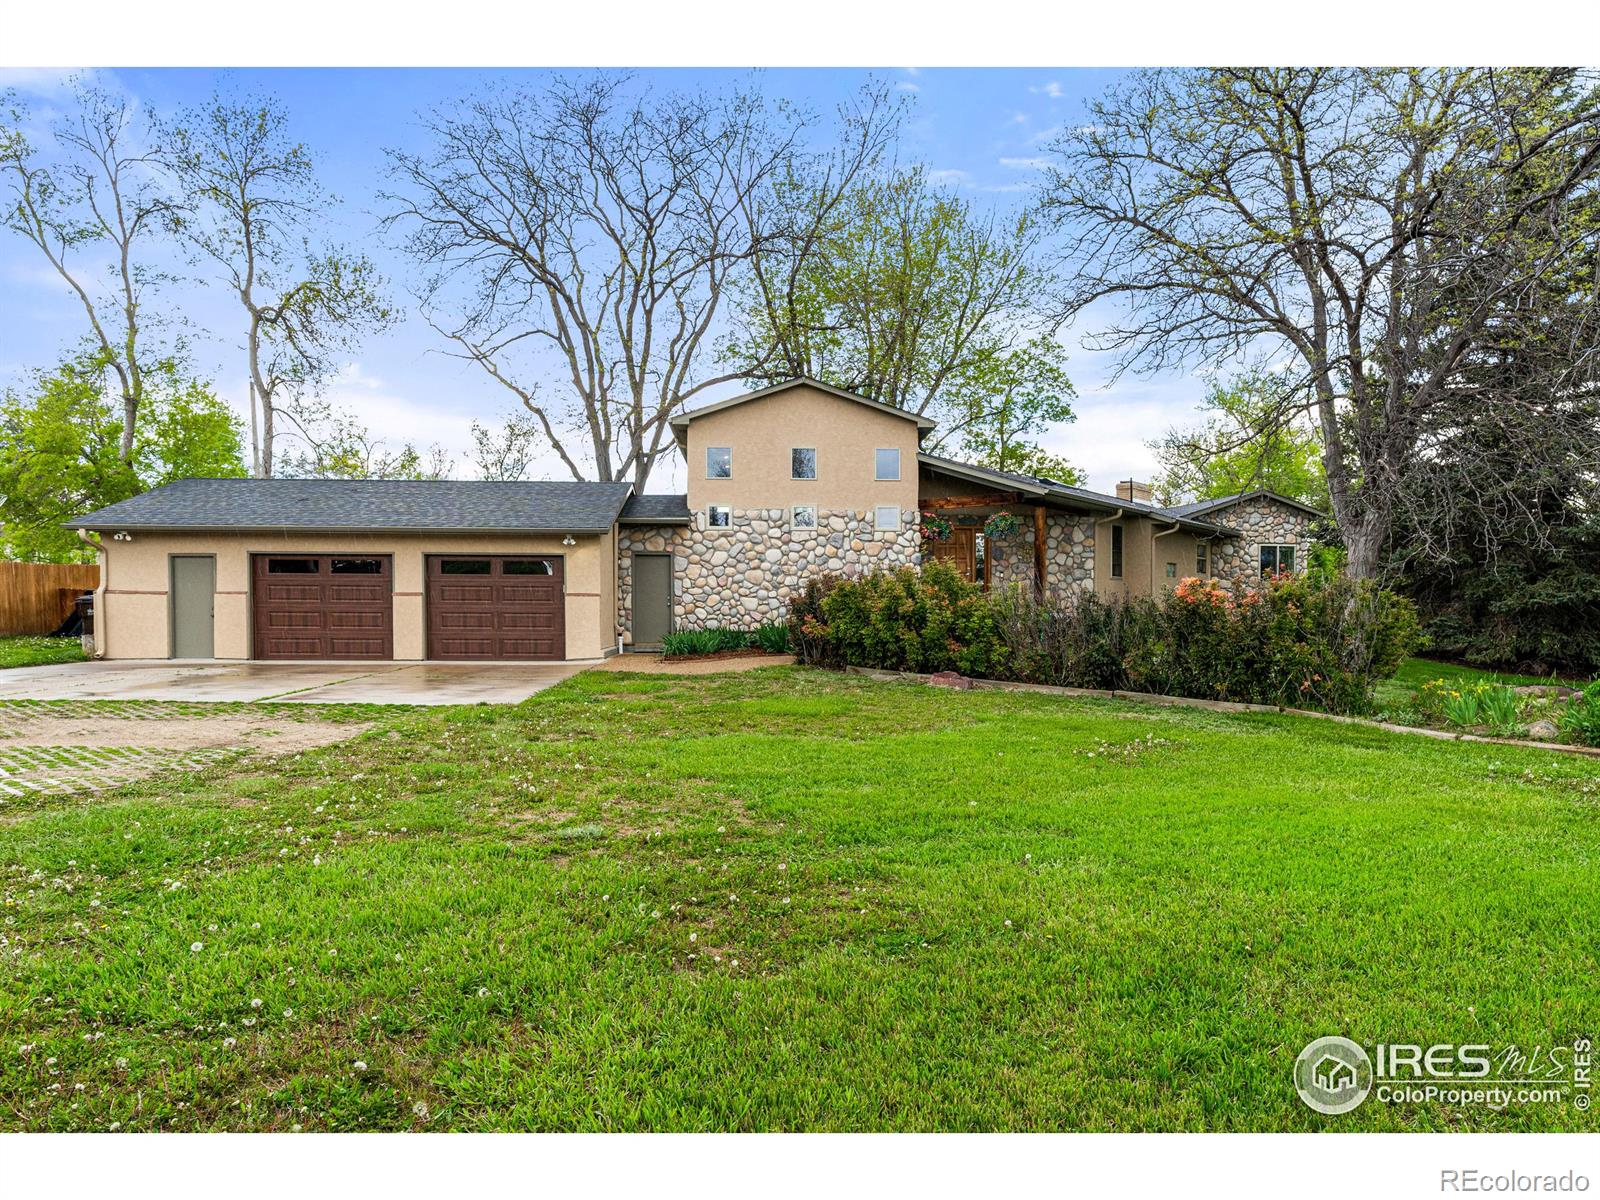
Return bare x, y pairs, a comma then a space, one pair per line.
935, 503
1038, 549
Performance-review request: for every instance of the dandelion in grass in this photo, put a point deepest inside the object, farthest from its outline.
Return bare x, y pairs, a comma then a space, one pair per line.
256, 1003
196, 947
482, 992
288, 1012
359, 1066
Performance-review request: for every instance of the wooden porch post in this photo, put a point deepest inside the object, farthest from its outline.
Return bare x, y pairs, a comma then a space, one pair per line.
1038, 550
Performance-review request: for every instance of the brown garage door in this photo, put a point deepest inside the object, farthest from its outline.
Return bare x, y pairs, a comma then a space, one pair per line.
323, 606
495, 606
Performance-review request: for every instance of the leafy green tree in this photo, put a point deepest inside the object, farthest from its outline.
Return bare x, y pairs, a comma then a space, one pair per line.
1254, 436
1012, 399
913, 297
60, 450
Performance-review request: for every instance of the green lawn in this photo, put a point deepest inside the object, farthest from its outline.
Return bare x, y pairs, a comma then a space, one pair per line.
793, 900
1414, 672
38, 651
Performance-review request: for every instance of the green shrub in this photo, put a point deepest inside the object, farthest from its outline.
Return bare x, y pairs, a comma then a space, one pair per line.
1500, 706
1306, 642
1580, 719
1463, 708
774, 639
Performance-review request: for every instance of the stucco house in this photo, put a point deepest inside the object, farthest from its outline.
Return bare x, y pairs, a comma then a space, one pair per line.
783, 483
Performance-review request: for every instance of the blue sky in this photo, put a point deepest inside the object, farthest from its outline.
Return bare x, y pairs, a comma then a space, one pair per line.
979, 130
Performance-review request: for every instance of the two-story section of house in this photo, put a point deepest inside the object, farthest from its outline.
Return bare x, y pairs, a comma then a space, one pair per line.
784, 484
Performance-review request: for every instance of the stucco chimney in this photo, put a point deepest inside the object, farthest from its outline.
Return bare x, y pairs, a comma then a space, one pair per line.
1132, 489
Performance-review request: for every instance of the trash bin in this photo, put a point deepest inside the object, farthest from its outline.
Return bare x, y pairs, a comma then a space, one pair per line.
84, 606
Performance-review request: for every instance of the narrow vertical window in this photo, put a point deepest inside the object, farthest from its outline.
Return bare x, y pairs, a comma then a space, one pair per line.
802, 463
1116, 552
1200, 558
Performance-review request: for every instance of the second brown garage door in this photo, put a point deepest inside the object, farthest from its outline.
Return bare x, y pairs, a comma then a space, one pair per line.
495, 607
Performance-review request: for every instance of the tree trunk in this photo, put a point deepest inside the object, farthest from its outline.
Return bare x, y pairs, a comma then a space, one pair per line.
1363, 543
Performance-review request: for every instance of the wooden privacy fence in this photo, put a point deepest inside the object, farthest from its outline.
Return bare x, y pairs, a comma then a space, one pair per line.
36, 597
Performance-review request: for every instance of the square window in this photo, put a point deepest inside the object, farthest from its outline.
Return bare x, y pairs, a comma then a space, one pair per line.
802, 463
886, 517
887, 464
804, 516
719, 462
1172, 570
719, 516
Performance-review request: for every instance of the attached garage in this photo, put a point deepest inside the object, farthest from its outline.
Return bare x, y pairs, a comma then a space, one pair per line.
489, 607
311, 606
365, 570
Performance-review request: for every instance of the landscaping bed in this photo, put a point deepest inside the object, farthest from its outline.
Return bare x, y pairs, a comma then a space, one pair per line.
1465, 700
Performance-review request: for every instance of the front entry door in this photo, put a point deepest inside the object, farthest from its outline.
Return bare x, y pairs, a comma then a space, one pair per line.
960, 550
652, 598
194, 589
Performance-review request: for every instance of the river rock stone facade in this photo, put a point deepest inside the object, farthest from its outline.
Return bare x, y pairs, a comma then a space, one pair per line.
1260, 521
744, 574
1069, 556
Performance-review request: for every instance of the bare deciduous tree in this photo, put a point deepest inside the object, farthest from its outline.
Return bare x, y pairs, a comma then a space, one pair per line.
584, 238
250, 196
101, 200
1384, 228
506, 453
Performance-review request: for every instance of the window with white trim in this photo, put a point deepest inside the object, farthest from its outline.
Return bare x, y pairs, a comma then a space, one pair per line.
719, 516
719, 462
886, 518
1275, 559
803, 516
803, 463
886, 464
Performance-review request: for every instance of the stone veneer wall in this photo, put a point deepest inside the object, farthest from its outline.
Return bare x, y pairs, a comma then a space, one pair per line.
1069, 555
1261, 520
743, 575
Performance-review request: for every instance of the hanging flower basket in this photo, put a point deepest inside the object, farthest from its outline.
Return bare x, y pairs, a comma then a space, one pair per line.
935, 528
1001, 525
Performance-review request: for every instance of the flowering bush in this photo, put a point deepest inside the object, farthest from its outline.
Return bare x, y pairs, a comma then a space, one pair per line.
1304, 643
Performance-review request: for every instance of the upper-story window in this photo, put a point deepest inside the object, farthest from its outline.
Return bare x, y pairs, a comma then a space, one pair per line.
887, 464
719, 462
803, 463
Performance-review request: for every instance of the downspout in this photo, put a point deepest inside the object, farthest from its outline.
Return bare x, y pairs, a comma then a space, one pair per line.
88, 539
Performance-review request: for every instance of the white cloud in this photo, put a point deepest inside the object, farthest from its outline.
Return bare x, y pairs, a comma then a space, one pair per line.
1053, 90
906, 86
1046, 135
1037, 163
1019, 118
949, 175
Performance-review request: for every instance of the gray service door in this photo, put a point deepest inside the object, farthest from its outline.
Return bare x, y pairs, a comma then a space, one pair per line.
194, 587
652, 598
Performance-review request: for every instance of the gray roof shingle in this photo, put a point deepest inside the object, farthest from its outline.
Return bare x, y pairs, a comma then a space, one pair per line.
349, 505
656, 508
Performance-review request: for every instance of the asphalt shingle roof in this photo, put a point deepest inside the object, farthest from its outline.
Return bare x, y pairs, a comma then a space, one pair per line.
660, 507
442, 505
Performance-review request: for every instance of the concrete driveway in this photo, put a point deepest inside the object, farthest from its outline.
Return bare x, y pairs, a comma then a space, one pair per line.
287, 683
